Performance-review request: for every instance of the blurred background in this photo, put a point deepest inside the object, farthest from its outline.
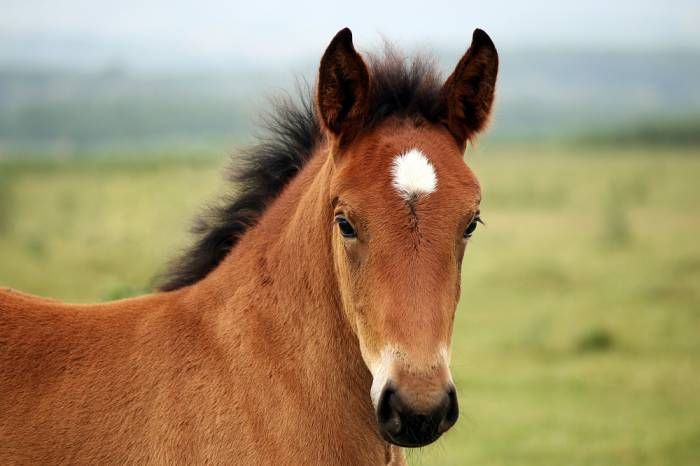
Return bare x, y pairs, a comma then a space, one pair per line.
578, 335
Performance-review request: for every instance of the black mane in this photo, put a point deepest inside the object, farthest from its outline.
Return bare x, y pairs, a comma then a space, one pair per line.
405, 87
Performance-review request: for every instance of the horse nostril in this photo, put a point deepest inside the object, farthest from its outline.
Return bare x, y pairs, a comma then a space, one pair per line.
388, 411
451, 411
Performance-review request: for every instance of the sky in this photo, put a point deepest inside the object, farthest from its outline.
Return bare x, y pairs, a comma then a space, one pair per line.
257, 32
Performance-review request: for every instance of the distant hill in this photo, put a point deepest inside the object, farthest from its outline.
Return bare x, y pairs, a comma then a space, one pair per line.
547, 93
541, 95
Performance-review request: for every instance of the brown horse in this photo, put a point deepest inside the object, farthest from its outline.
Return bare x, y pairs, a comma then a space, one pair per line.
310, 323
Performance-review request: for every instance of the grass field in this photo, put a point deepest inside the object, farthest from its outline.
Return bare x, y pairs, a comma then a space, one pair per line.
578, 335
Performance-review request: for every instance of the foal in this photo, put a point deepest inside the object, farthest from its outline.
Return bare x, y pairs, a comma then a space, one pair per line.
310, 323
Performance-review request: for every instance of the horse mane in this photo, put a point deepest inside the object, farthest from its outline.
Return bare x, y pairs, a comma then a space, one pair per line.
400, 86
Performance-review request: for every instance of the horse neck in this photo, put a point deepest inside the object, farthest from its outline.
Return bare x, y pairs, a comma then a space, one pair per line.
280, 280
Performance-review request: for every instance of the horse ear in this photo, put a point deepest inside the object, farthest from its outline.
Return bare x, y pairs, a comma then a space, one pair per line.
343, 87
467, 95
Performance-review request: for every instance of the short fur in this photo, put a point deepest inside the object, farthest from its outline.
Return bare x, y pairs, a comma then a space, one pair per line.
260, 353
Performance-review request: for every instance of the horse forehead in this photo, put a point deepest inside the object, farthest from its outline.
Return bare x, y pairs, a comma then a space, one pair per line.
407, 159
426, 176
404, 164
415, 195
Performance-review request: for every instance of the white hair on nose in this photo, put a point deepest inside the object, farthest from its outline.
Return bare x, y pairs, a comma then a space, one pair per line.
380, 373
413, 174
382, 368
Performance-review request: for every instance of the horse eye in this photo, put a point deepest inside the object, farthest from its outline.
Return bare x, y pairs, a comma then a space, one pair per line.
345, 228
472, 226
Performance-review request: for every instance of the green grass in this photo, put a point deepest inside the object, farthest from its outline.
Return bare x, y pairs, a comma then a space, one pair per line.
578, 335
